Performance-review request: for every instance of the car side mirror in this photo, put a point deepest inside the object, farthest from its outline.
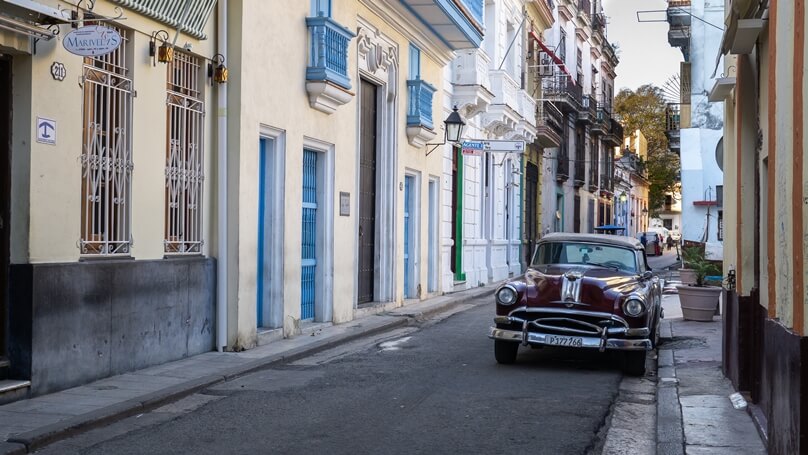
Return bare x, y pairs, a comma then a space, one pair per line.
647, 275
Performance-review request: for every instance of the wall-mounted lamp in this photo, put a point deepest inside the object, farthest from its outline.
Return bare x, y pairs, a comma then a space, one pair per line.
216, 70
623, 197
165, 53
454, 129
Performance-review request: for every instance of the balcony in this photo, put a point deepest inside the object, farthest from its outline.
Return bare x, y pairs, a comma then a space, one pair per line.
503, 114
563, 91
327, 81
562, 165
673, 117
599, 22
606, 183
580, 166
602, 117
471, 83
678, 13
526, 128
459, 23
588, 111
614, 137
548, 124
679, 36
420, 128
585, 9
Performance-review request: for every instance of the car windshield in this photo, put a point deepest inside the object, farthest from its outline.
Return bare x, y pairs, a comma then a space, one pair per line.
585, 253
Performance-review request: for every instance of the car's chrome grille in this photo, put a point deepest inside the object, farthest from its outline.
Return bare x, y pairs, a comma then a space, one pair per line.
568, 321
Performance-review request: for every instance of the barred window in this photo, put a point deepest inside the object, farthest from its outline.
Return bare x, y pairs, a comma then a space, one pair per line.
106, 159
184, 156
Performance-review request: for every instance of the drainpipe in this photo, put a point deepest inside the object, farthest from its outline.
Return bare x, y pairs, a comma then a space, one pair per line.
221, 277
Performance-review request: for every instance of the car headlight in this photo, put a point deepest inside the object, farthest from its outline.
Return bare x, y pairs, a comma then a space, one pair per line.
633, 307
506, 295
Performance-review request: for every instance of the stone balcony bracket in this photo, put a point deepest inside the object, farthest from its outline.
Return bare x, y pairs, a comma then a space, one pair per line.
471, 100
419, 135
500, 120
325, 96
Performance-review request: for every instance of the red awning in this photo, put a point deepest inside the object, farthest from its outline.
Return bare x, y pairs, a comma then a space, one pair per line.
552, 54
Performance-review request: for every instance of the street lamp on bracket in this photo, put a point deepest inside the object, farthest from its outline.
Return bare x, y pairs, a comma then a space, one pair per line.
454, 124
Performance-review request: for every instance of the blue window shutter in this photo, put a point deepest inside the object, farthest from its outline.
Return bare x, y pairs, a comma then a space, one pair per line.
321, 8
415, 63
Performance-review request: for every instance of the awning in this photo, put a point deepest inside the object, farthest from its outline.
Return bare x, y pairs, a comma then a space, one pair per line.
553, 56
190, 16
29, 18
740, 35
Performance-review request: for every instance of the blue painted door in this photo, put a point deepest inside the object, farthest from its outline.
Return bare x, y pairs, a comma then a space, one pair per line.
308, 281
407, 236
263, 245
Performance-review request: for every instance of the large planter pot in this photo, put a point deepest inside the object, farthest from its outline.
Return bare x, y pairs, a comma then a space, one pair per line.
698, 302
687, 276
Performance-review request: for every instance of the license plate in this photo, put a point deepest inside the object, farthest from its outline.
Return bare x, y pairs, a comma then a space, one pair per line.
561, 340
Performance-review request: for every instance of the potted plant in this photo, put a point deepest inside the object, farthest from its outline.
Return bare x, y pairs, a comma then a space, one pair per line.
698, 300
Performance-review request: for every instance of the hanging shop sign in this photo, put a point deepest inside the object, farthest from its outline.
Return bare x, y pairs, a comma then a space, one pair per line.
92, 40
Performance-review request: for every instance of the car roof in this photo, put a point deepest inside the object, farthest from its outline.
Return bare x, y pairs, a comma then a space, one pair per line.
617, 240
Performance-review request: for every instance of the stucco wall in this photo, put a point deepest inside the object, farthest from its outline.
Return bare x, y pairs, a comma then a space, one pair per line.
271, 91
55, 170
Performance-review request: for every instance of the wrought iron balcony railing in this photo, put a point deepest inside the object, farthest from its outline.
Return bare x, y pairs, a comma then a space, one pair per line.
419, 96
585, 7
563, 165
673, 115
599, 21
328, 55
563, 90
580, 166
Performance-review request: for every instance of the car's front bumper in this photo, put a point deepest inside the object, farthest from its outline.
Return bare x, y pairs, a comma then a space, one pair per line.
528, 337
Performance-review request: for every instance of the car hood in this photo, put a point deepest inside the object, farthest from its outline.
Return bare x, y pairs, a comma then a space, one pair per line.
586, 288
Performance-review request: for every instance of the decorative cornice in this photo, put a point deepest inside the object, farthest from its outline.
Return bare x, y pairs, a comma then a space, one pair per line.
378, 51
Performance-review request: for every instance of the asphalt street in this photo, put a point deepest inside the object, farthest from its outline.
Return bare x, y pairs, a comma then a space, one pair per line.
434, 388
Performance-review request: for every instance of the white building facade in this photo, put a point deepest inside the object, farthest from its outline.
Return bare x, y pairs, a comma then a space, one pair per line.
577, 67
700, 122
482, 201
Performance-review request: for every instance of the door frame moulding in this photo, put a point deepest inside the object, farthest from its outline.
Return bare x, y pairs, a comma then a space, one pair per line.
378, 57
273, 224
324, 300
415, 234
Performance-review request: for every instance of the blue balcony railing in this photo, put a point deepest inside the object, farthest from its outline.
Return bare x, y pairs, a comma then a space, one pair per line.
419, 112
329, 51
476, 9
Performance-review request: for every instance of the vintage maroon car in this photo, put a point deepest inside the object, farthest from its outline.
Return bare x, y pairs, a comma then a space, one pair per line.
582, 291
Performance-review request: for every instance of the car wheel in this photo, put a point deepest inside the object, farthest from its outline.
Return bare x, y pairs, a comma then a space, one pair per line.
635, 363
505, 351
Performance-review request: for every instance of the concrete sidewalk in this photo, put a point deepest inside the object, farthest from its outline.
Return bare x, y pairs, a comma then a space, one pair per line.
694, 411
29, 424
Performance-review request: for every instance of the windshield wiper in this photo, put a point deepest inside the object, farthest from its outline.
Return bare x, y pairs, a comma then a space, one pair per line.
603, 265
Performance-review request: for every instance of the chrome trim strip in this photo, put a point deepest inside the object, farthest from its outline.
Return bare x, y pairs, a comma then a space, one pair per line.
640, 332
596, 314
588, 342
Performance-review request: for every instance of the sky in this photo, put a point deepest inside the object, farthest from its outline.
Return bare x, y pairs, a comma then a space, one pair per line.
645, 55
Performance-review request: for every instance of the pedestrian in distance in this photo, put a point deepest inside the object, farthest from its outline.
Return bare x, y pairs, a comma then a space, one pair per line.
670, 242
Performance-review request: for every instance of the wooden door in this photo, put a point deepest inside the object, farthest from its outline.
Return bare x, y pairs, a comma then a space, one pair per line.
367, 192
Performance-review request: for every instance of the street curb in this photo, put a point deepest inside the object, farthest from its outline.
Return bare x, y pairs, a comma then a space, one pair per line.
35, 439
670, 433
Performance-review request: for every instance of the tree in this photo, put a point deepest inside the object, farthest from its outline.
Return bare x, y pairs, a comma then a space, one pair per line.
644, 109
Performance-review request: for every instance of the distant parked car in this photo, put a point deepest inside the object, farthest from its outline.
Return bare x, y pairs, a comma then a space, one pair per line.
581, 291
676, 236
